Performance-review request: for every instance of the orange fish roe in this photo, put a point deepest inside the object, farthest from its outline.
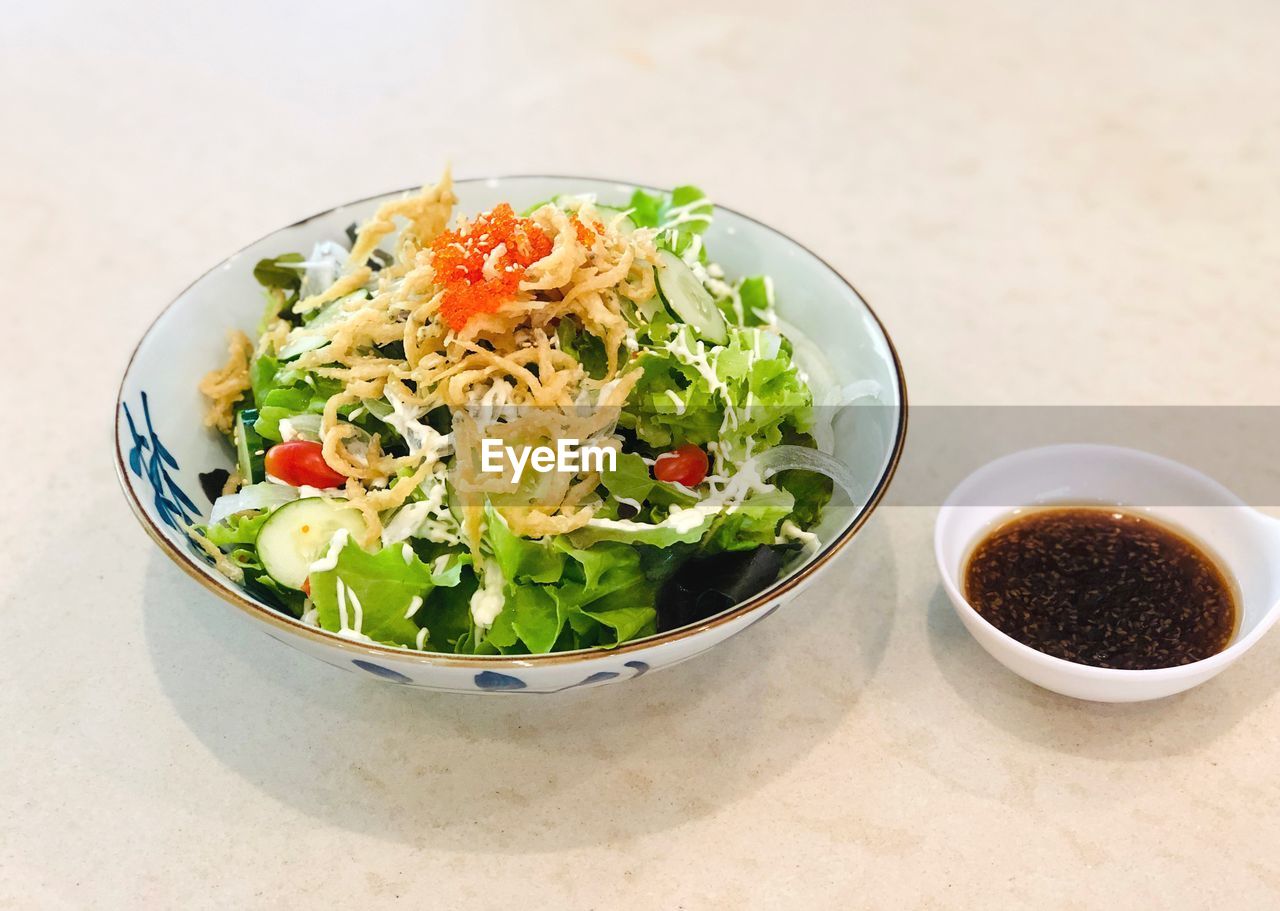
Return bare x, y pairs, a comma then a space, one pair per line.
459, 257
586, 236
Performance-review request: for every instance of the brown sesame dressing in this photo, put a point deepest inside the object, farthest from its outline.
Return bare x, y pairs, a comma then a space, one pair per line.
1100, 586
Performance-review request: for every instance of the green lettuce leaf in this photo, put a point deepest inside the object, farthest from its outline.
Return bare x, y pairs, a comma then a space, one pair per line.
238, 528
283, 392
630, 479
385, 583
672, 530
753, 522
271, 273
559, 595
755, 377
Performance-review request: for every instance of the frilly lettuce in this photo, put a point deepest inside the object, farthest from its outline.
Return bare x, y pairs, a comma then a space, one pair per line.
687, 210
562, 596
384, 583
630, 479
675, 401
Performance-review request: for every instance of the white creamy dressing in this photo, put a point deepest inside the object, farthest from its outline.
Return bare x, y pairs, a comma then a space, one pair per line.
701, 360
329, 561
487, 602
349, 627
726, 496
589, 396
681, 521
634, 504
421, 639
414, 603
688, 213
769, 314
696, 357
790, 531
679, 402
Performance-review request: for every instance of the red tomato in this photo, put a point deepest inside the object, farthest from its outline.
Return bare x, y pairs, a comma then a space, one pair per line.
299, 462
686, 465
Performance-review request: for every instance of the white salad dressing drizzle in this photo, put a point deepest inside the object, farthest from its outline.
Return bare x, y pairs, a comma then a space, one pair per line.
349, 627
487, 601
725, 498
329, 561
790, 531
627, 501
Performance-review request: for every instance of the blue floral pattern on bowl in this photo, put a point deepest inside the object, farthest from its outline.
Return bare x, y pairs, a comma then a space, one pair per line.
175, 508
492, 680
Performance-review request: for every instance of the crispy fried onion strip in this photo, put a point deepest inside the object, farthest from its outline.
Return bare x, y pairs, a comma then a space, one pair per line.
226, 385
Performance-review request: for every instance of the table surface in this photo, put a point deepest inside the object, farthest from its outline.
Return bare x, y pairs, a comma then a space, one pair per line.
1046, 203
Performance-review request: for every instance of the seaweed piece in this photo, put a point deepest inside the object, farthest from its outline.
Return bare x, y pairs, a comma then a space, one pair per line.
705, 586
213, 482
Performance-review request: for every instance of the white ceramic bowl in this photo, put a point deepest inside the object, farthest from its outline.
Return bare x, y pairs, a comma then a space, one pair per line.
161, 445
1245, 541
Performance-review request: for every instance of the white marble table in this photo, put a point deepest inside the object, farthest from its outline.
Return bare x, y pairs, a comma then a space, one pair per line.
1047, 203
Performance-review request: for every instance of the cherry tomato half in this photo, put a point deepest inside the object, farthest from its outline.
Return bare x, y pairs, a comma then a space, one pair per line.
686, 465
299, 462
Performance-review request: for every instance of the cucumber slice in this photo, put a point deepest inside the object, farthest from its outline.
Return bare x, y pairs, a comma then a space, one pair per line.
251, 449
688, 300
625, 224
298, 534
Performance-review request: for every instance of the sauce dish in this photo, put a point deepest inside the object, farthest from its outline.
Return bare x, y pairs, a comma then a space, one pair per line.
1244, 541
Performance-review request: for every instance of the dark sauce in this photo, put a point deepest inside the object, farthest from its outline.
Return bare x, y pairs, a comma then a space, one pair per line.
1099, 586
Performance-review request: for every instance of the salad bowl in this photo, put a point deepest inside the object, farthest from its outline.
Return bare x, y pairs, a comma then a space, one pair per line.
162, 445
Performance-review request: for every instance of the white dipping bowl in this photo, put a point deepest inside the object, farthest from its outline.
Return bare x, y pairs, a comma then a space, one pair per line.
1244, 541
162, 445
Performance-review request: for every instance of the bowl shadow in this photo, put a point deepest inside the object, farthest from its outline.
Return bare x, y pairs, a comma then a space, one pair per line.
526, 774
1134, 731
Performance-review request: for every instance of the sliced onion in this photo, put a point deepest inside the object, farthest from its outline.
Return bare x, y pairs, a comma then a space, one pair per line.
256, 496
323, 266
787, 458
306, 426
